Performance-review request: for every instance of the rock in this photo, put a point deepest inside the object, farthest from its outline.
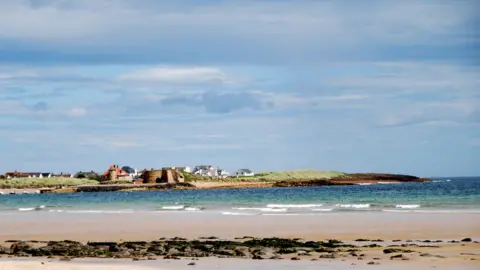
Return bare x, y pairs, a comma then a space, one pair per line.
295, 259
191, 264
209, 238
396, 250
372, 246
396, 240
19, 247
22, 254
151, 259
332, 255
353, 254
467, 239
4, 250
173, 251
399, 256
121, 254
431, 255
263, 253
376, 259
178, 239
241, 251
371, 263
156, 249
65, 259
225, 252
360, 258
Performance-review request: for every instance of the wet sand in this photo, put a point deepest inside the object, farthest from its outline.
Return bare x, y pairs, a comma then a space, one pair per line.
150, 226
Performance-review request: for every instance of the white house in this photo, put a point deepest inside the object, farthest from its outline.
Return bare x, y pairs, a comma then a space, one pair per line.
205, 170
222, 173
183, 169
244, 172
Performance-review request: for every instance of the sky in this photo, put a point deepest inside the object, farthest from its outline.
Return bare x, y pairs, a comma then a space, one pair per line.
353, 86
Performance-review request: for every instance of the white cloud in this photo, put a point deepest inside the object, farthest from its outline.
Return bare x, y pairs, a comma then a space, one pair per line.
77, 112
281, 25
176, 75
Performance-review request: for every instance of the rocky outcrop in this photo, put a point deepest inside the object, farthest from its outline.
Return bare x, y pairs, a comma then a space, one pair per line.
119, 187
266, 248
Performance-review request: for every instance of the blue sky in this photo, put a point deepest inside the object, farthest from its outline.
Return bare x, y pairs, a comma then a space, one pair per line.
367, 86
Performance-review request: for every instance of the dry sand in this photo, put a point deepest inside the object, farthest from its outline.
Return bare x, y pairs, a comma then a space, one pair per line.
56, 265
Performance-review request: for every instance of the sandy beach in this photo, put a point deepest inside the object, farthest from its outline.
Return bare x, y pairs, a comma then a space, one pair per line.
150, 226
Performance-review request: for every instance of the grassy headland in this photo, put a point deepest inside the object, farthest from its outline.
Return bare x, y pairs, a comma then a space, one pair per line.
296, 175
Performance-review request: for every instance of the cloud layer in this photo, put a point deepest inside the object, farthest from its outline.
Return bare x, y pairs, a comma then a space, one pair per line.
268, 85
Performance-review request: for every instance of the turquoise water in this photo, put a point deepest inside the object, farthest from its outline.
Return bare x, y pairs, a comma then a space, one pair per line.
441, 195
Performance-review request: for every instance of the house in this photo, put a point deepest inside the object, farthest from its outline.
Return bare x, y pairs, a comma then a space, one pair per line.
182, 169
115, 173
131, 171
222, 173
16, 174
244, 172
45, 175
205, 170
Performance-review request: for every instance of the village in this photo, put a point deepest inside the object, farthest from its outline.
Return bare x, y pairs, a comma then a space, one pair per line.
127, 174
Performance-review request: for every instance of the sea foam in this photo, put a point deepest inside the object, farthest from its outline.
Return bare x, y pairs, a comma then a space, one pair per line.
293, 205
173, 207
407, 206
357, 206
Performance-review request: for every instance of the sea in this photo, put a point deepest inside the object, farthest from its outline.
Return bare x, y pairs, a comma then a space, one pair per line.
442, 195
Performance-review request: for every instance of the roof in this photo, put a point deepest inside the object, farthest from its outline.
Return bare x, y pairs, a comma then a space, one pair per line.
245, 170
128, 169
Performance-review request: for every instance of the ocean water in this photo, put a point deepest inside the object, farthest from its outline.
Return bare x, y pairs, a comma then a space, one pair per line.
443, 195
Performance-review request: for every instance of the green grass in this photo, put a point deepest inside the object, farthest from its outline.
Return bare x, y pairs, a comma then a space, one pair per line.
44, 182
297, 175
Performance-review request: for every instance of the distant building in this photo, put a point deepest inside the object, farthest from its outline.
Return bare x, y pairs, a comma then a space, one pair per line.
222, 173
205, 170
244, 172
16, 174
115, 173
131, 171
